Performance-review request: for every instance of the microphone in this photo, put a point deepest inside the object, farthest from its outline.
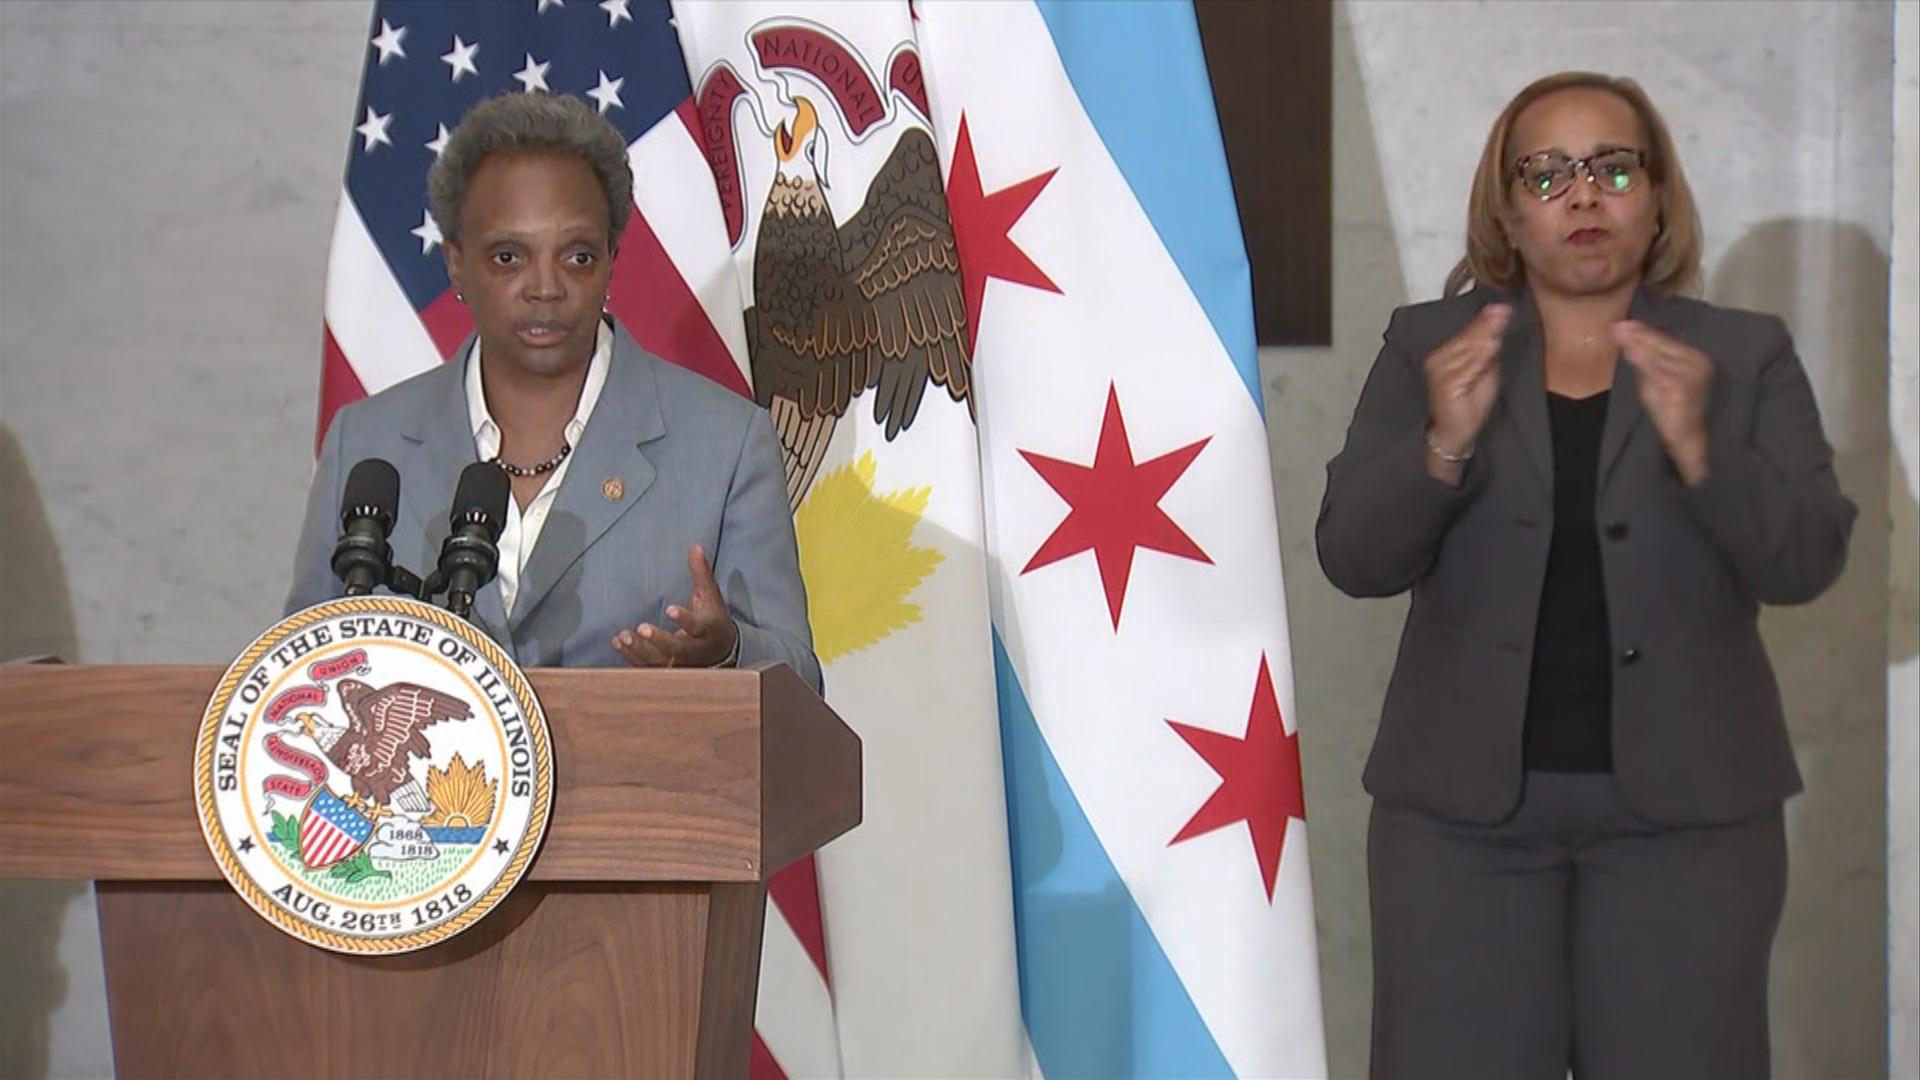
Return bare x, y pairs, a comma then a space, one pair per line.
470, 556
362, 558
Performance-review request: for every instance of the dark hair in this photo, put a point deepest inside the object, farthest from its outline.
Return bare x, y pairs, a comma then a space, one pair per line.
530, 123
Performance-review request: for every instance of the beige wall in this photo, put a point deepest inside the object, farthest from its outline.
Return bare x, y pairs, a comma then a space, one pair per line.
1903, 613
167, 182
168, 176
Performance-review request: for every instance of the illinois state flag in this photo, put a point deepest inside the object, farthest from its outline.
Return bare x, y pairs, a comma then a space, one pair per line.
813, 118
1162, 895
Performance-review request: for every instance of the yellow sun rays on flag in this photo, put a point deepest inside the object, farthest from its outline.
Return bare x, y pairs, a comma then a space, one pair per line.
858, 558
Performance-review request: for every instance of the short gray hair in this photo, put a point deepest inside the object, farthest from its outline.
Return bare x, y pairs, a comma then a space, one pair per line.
530, 123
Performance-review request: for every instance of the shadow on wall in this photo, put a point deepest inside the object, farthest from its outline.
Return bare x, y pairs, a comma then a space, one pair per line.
36, 618
1777, 266
1828, 985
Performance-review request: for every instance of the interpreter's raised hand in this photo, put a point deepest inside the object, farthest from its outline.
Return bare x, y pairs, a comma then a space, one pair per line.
1674, 380
704, 635
1463, 381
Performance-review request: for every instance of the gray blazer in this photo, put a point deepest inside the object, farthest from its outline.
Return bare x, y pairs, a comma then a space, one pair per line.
1698, 735
695, 463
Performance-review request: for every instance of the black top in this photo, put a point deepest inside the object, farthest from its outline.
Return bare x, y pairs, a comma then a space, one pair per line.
1570, 695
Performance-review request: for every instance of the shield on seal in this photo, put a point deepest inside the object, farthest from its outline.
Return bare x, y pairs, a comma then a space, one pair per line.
330, 830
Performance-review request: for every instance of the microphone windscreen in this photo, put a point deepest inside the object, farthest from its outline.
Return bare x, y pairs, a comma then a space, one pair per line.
482, 495
372, 485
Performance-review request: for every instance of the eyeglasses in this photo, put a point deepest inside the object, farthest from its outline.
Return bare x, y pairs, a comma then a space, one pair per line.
1549, 174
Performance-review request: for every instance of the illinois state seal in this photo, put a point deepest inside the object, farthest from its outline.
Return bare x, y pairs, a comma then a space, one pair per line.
373, 775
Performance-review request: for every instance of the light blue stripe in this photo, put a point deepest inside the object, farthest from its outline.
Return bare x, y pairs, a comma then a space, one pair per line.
1140, 74
1099, 996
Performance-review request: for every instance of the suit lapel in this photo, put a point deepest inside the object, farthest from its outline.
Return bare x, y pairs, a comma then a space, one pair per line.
1523, 391
625, 418
440, 436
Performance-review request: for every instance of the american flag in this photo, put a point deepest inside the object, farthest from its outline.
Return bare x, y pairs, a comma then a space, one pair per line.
330, 830
391, 313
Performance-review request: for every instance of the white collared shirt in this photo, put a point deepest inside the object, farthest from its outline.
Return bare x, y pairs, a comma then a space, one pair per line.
523, 530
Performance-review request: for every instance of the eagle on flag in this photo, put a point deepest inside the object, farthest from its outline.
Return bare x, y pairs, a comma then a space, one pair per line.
874, 304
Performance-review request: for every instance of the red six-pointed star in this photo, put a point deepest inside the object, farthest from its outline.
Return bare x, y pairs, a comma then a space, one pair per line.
981, 222
1259, 779
1114, 506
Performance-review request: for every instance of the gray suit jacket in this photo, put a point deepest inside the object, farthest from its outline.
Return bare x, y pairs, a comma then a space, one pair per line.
695, 462
1698, 735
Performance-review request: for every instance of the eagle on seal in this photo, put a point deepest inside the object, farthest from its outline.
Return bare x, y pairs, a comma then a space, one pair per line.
875, 304
382, 736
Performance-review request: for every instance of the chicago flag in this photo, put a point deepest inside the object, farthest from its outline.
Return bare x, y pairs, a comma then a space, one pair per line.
1145, 685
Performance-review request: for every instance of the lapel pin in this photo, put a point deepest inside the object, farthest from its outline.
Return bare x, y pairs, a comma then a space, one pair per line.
613, 489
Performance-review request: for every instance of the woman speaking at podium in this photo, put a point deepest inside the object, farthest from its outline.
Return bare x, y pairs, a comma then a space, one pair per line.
648, 522
1590, 484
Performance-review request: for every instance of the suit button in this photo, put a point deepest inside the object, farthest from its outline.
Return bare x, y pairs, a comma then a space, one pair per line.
1630, 655
1617, 531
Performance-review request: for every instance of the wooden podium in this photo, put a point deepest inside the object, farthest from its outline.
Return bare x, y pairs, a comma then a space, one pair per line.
632, 948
